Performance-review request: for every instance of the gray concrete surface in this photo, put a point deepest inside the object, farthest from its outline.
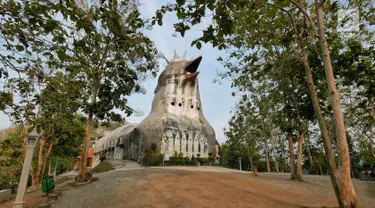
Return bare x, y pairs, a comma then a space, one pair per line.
5, 195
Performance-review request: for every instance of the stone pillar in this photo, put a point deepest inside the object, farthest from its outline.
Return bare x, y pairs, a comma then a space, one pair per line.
183, 144
196, 147
177, 143
18, 203
201, 143
190, 146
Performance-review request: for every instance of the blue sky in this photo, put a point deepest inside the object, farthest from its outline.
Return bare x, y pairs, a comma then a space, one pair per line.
216, 99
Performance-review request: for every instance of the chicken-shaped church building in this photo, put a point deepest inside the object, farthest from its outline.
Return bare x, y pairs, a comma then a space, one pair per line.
175, 124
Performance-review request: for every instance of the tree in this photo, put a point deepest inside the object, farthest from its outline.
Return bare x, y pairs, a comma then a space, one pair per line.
99, 48
11, 155
290, 23
107, 54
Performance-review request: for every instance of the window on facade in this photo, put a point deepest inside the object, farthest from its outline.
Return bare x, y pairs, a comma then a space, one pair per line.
172, 103
180, 104
198, 108
192, 106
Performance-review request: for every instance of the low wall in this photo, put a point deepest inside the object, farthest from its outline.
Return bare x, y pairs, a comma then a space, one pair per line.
5, 195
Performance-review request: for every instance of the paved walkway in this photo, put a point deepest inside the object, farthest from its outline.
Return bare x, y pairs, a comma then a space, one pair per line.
131, 165
203, 169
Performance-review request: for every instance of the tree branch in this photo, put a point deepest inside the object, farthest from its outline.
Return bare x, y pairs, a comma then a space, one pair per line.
289, 14
308, 17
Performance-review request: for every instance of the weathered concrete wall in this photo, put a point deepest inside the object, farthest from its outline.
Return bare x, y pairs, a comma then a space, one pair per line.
176, 122
5, 195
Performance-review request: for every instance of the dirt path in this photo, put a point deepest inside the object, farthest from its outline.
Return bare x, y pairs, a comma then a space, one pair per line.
162, 187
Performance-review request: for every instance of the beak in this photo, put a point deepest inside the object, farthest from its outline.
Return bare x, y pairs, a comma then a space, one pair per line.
191, 68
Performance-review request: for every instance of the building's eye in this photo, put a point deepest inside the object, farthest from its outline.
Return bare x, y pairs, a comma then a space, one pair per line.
172, 103
198, 108
192, 106
180, 104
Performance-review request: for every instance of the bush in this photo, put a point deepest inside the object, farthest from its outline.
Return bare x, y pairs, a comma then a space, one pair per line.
204, 161
180, 155
179, 161
102, 157
153, 159
153, 147
103, 167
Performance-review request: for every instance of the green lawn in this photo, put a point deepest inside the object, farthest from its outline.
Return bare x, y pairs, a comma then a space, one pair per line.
103, 167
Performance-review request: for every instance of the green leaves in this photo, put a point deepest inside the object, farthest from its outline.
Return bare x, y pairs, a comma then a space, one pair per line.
180, 2
20, 48
6, 99
199, 45
62, 55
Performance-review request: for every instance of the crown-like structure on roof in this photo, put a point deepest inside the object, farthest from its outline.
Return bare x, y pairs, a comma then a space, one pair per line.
176, 57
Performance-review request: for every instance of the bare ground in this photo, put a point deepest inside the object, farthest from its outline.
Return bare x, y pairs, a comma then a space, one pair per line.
165, 187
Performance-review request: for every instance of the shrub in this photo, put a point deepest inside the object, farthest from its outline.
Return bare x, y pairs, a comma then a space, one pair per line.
102, 167
153, 147
153, 159
102, 157
179, 161
180, 155
204, 161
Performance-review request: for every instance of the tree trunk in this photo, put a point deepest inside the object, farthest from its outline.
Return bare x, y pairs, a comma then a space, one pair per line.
88, 133
43, 161
371, 143
32, 174
49, 167
40, 161
83, 160
320, 169
284, 164
274, 154
54, 172
372, 107
299, 156
249, 155
291, 156
310, 157
318, 113
351, 168
267, 160
348, 197
251, 163
43, 171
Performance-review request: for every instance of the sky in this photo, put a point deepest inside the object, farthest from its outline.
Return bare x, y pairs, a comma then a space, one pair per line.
216, 99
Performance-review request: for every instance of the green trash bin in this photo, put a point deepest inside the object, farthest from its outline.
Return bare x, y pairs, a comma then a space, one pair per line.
310, 170
48, 184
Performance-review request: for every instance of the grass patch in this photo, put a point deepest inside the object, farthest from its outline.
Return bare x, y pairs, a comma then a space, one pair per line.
102, 167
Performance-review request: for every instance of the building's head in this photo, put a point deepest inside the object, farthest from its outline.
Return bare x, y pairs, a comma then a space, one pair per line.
177, 89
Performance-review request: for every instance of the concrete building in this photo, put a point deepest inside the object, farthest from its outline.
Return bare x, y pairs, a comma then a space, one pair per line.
175, 124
